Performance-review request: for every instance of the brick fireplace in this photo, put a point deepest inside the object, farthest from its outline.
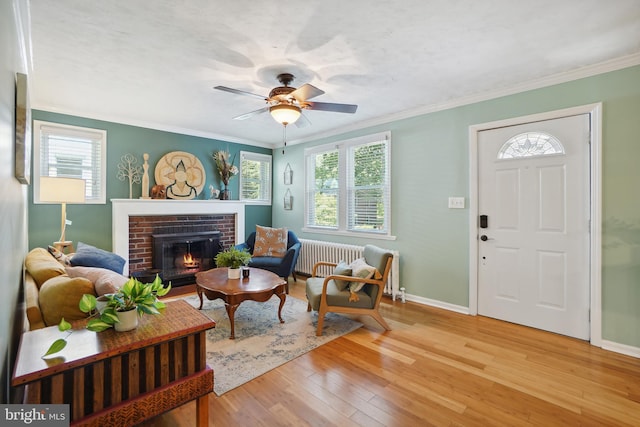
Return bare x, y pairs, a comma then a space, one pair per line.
153, 238
134, 220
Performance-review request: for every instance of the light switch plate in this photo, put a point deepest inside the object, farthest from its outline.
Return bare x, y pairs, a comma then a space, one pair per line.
456, 202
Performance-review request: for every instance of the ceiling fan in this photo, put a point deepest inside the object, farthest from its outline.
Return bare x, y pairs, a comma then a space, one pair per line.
285, 103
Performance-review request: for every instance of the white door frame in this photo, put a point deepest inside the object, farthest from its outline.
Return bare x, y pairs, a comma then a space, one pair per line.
595, 185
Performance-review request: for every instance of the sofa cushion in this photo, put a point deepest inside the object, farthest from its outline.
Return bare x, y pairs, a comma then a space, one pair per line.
59, 297
342, 269
42, 266
62, 258
266, 262
104, 281
270, 242
90, 256
34, 315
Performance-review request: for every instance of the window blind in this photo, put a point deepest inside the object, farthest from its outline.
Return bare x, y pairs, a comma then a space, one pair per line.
255, 177
368, 187
73, 152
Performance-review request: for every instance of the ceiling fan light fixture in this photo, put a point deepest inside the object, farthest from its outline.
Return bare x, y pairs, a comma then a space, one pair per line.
285, 114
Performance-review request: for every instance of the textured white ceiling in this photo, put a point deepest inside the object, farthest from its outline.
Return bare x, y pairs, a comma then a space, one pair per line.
154, 63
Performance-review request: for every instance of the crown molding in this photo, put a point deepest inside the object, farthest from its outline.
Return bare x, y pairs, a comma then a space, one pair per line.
564, 77
154, 126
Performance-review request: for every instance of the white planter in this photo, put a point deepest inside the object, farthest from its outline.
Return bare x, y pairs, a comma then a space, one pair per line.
101, 303
233, 273
128, 320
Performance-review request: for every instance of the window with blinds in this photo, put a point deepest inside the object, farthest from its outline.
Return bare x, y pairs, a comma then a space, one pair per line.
71, 152
348, 188
255, 177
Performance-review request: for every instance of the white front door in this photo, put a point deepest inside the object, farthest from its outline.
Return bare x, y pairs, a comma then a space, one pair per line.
533, 266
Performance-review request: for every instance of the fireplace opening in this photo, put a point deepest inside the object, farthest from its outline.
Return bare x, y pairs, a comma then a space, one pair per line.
179, 256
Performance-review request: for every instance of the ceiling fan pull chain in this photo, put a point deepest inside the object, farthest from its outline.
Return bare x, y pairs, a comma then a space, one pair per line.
284, 137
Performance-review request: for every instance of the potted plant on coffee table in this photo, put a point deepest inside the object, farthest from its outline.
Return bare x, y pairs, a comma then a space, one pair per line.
233, 258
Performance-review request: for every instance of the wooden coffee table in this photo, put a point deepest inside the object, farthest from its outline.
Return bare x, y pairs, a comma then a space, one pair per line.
260, 286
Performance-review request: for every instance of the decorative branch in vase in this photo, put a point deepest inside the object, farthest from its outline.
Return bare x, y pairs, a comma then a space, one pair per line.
226, 169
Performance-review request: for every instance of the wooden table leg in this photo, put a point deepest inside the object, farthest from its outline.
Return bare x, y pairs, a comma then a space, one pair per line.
202, 411
199, 292
231, 312
282, 297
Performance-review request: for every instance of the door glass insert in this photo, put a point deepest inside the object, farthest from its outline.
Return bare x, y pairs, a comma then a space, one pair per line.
530, 144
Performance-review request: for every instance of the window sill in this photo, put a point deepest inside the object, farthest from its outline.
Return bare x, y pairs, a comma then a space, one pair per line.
363, 235
257, 203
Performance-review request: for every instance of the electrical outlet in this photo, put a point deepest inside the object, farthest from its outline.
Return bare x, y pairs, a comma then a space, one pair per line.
456, 202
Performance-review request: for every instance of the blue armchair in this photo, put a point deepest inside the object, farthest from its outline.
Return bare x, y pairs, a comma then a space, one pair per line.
283, 267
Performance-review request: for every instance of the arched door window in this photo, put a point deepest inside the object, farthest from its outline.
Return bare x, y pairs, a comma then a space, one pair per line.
530, 144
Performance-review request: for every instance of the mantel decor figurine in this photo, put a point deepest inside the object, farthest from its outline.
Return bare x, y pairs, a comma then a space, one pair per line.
129, 169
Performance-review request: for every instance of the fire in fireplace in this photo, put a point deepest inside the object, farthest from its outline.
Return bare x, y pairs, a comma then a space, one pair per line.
180, 255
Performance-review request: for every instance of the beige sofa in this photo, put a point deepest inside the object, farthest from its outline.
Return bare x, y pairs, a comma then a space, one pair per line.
53, 289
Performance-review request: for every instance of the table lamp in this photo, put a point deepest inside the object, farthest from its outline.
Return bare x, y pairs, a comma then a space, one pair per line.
63, 191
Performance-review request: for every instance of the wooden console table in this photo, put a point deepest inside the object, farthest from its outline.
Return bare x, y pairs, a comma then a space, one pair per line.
121, 378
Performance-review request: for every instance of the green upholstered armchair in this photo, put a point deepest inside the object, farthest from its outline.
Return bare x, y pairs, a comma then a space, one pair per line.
325, 294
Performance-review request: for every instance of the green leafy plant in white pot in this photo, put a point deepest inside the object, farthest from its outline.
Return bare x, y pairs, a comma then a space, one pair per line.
123, 308
233, 258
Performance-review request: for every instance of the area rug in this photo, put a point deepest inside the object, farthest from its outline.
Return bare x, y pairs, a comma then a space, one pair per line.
262, 343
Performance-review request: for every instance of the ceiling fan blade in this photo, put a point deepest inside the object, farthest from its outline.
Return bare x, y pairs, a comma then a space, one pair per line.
240, 92
251, 114
329, 106
302, 121
305, 92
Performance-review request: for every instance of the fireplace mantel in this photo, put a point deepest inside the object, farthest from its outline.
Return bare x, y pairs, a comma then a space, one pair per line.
122, 209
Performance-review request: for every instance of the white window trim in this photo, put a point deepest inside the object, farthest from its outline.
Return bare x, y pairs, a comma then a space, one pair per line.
37, 127
261, 158
342, 146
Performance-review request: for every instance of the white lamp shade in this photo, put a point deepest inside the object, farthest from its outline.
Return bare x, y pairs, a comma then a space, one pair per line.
62, 190
285, 114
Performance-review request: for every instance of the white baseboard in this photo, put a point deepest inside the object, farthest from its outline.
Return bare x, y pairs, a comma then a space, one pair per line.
437, 304
606, 345
621, 348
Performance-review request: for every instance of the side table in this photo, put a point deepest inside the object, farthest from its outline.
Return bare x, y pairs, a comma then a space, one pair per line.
121, 378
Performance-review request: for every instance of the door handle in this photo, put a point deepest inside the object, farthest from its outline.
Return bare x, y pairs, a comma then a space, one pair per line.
484, 238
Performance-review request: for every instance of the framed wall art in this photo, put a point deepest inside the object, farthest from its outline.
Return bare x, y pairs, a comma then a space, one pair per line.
23, 131
288, 175
288, 200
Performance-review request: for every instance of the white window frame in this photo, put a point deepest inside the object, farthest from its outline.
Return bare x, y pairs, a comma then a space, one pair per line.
345, 176
100, 135
266, 180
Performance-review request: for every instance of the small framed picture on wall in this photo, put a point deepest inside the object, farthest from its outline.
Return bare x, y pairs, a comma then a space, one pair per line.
288, 175
288, 201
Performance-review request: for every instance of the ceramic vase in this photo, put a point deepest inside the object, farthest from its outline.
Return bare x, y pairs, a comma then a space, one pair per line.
233, 273
128, 320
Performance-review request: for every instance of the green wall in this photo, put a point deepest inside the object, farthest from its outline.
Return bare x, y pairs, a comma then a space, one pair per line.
430, 162
92, 223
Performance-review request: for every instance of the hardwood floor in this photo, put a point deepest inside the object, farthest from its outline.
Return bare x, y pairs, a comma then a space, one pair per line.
435, 368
